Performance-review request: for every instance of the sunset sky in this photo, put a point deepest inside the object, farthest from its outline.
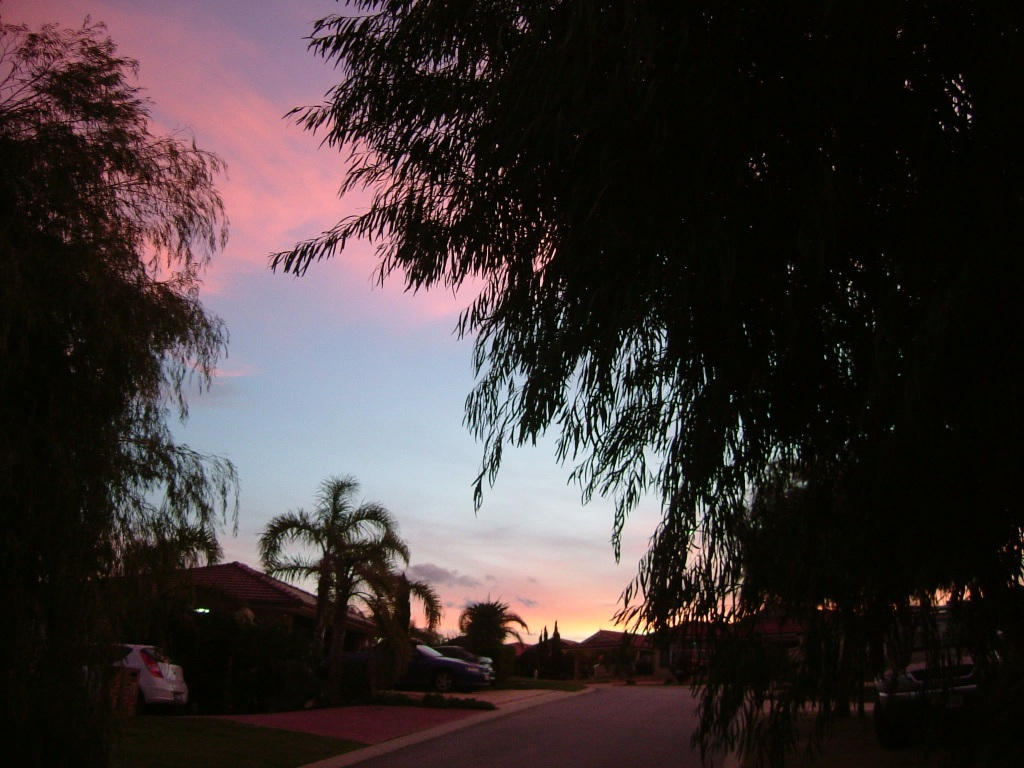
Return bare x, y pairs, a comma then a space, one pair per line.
330, 374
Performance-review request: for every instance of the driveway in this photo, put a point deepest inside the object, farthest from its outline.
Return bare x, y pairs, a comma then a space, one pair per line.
374, 724
605, 727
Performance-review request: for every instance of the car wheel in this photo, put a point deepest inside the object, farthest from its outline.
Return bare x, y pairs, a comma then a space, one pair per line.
444, 681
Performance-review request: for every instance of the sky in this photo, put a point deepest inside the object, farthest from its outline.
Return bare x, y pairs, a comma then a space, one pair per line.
331, 374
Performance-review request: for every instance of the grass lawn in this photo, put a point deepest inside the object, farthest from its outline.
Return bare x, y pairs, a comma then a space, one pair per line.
529, 683
171, 742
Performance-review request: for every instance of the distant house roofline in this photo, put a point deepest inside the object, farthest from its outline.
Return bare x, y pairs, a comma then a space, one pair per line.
607, 639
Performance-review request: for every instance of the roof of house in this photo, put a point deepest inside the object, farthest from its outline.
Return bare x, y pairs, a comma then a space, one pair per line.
521, 648
255, 589
243, 584
778, 626
606, 639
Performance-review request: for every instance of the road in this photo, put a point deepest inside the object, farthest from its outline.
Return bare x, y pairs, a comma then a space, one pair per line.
611, 727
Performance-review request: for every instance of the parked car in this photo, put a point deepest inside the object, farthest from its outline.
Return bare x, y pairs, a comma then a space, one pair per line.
906, 696
161, 681
933, 678
431, 669
458, 652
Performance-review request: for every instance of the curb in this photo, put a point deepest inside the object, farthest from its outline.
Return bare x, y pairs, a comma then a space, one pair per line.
376, 750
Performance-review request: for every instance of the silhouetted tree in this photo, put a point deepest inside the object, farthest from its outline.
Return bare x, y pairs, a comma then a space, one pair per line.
427, 596
105, 230
727, 244
555, 665
393, 616
350, 550
146, 594
486, 626
542, 652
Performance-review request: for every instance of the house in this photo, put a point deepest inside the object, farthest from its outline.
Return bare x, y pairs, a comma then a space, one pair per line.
687, 647
536, 659
607, 652
519, 648
778, 629
242, 591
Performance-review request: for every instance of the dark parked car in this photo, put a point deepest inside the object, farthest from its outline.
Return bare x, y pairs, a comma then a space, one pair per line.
933, 678
430, 669
458, 652
906, 696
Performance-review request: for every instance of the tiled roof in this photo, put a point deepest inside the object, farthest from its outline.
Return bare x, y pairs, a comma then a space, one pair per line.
606, 639
255, 589
521, 648
243, 584
767, 625
776, 626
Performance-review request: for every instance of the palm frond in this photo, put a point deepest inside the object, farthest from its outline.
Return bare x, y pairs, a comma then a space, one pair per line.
514, 618
333, 499
294, 568
285, 529
431, 602
376, 574
386, 550
492, 618
370, 518
393, 546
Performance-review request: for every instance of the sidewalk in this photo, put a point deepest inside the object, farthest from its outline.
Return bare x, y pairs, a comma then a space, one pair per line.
387, 728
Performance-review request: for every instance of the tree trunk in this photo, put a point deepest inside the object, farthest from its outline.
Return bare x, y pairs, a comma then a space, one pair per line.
335, 659
403, 606
323, 592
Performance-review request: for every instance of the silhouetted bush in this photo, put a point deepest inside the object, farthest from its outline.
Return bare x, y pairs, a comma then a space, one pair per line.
239, 666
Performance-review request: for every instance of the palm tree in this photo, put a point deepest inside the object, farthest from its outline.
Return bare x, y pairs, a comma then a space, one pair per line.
393, 616
486, 625
404, 591
351, 551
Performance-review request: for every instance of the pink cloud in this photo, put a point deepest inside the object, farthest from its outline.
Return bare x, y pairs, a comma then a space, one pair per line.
282, 187
240, 372
208, 79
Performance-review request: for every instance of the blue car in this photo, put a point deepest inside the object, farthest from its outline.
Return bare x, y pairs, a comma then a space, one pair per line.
457, 652
432, 670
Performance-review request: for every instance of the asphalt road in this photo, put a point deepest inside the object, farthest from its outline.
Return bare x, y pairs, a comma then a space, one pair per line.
611, 727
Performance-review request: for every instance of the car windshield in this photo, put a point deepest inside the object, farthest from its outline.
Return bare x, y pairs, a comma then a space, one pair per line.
426, 650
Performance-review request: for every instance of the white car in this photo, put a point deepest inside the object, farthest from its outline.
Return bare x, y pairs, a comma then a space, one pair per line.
161, 681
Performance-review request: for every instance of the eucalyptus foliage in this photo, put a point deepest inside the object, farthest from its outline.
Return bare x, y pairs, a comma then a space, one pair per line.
105, 229
725, 252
